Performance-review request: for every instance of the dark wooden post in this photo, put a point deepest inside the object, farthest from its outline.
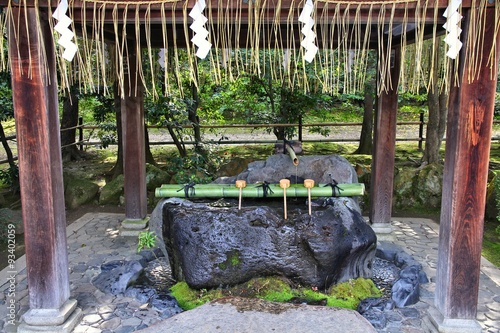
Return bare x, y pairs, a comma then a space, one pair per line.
470, 120
384, 149
34, 88
134, 150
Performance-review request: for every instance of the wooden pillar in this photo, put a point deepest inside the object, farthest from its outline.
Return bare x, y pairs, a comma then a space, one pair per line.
34, 89
382, 178
470, 119
134, 149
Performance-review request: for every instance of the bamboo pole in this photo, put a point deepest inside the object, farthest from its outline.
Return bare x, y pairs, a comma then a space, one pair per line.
292, 154
257, 191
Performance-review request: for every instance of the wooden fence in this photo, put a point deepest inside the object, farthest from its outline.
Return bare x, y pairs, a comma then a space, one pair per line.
82, 128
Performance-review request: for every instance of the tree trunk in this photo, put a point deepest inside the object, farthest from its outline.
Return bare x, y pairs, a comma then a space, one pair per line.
366, 138
118, 168
181, 148
438, 110
149, 155
432, 142
5, 144
194, 119
69, 119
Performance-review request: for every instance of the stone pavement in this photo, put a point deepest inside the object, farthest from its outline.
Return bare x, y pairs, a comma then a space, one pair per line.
94, 239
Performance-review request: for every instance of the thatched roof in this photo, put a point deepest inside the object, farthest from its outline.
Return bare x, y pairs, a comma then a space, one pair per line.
244, 35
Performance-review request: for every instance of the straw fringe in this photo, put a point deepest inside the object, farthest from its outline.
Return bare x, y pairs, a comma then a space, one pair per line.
270, 50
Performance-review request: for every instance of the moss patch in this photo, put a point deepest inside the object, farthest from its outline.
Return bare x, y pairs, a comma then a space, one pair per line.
232, 259
189, 298
277, 289
354, 291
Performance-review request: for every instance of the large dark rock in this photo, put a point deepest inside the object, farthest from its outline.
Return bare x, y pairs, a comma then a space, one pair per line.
322, 169
210, 247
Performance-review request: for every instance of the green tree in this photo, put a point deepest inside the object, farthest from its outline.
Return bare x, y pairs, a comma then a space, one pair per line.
6, 113
284, 105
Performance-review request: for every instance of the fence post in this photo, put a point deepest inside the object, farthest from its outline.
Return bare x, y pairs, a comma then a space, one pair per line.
421, 130
80, 132
300, 128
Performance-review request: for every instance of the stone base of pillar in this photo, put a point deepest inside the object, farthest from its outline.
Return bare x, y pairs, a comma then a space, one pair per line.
448, 325
383, 231
60, 320
133, 227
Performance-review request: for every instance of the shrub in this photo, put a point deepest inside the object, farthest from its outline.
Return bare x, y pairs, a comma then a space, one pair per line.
497, 193
10, 177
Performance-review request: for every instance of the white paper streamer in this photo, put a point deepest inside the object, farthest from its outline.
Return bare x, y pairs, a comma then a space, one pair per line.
66, 35
452, 28
200, 38
308, 43
161, 59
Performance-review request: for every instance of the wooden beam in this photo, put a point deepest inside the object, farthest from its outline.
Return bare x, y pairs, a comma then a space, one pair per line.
381, 186
134, 154
470, 119
34, 89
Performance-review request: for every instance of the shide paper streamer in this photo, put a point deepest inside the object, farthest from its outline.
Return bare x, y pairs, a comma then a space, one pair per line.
307, 30
198, 26
453, 29
66, 35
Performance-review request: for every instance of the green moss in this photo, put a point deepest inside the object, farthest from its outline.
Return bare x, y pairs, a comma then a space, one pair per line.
232, 259
277, 289
353, 291
189, 298
271, 289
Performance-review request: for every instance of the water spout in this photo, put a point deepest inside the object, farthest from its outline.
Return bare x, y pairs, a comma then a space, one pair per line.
292, 154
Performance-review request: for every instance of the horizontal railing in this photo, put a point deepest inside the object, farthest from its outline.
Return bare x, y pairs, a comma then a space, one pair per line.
82, 142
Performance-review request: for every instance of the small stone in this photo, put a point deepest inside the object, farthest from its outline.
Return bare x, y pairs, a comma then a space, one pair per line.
116, 276
80, 268
124, 329
106, 309
371, 303
124, 313
402, 258
141, 327
86, 299
393, 316
406, 290
495, 306
376, 318
142, 293
409, 312
133, 321
111, 324
92, 319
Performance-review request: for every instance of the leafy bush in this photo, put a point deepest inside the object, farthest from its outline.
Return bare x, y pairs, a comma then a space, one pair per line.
497, 193
10, 177
196, 167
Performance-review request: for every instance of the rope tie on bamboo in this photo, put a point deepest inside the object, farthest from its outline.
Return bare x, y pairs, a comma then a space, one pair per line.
335, 186
240, 184
284, 184
265, 188
186, 188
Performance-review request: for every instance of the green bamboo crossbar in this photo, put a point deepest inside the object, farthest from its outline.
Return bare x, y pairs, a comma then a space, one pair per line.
257, 191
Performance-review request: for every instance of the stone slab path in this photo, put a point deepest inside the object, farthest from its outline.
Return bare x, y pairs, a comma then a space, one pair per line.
94, 239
